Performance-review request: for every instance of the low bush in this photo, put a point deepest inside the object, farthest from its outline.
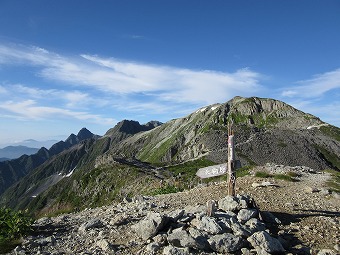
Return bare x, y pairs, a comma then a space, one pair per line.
262, 174
284, 177
243, 171
13, 225
293, 174
334, 182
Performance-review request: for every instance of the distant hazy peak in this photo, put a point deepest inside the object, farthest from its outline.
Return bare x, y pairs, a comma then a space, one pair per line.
153, 123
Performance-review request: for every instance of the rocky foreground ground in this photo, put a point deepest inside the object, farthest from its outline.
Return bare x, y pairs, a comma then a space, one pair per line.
266, 217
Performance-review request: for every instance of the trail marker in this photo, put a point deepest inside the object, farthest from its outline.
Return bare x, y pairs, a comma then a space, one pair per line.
212, 171
230, 167
216, 170
231, 163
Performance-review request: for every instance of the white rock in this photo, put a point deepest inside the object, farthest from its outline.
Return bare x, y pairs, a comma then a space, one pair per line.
262, 241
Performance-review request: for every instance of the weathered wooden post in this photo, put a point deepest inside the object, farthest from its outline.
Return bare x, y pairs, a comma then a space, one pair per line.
231, 163
221, 169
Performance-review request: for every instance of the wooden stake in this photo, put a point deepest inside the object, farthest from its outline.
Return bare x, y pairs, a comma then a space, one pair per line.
231, 163
211, 208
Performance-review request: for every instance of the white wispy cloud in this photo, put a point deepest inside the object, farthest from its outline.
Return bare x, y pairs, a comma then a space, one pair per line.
3, 90
208, 87
77, 98
29, 109
68, 98
316, 86
318, 95
123, 77
20, 54
32, 91
325, 109
181, 85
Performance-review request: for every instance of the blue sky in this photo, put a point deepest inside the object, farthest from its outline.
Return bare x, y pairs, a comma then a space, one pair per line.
65, 65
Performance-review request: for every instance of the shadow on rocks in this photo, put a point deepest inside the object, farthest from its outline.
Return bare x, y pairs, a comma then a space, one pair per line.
317, 213
287, 238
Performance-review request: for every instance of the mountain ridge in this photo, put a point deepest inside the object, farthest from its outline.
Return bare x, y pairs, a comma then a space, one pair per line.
65, 160
204, 131
266, 130
13, 170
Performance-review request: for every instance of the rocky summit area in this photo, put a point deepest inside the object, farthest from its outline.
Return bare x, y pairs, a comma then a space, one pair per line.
267, 216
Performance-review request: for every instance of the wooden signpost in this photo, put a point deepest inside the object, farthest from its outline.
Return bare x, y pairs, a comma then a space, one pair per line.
221, 169
231, 163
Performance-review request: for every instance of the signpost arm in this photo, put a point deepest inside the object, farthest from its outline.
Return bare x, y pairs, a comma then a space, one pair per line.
231, 163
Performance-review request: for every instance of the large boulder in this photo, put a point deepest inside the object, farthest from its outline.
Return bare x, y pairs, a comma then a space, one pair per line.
263, 241
180, 238
246, 214
209, 225
229, 203
150, 226
225, 243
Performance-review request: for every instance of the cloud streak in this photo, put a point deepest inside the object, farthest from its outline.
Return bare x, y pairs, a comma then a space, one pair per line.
28, 109
179, 85
315, 87
123, 78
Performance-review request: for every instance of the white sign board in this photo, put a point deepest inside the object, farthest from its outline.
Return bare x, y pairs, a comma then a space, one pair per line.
216, 170
212, 171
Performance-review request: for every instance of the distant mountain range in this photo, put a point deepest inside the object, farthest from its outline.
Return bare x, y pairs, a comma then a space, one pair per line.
87, 170
31, 143
12, 152
28, 147
38, 144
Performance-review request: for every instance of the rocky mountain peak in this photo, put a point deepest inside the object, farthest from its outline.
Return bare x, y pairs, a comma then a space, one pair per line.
268, 112
72, 139
153, 124
84, 133
261, 125
131, 127
43, 152
256, 105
